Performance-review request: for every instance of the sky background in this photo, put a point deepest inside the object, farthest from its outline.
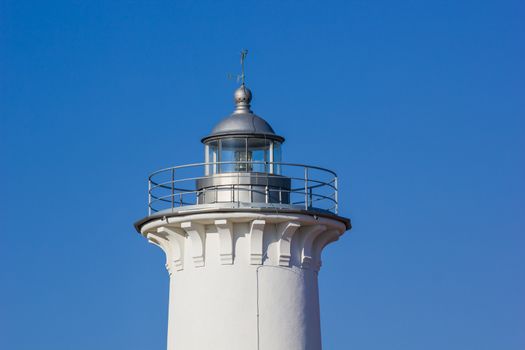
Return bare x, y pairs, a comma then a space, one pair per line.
418, 105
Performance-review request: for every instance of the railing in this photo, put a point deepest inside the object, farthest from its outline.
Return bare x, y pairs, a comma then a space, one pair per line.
308, 187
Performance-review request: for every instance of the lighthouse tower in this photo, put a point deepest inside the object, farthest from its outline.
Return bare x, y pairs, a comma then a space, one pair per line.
243, 234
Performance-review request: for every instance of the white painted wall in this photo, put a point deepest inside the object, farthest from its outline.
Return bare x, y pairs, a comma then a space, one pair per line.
243, 281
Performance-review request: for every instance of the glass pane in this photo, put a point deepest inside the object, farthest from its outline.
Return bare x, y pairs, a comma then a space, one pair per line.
276, 157
212, 157
233, 155
259, 153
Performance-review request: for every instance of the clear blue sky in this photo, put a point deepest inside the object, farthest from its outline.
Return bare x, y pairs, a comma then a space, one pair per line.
418, 105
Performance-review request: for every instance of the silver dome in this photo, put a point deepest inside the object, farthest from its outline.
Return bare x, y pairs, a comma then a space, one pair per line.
243, 122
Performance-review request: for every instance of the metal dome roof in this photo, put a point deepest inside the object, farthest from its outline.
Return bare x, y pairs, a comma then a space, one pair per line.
243, 122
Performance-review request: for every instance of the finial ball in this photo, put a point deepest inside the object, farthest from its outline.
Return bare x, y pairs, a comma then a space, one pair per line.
242, 95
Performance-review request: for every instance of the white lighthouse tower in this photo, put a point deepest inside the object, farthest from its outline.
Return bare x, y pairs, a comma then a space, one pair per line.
243, 234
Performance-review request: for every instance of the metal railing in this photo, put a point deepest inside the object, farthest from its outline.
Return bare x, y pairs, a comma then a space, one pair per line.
310, 187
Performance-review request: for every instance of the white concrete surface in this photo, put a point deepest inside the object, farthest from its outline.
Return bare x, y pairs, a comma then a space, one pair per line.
243, 281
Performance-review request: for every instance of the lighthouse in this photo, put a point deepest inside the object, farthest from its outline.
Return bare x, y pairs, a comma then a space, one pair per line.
243, 232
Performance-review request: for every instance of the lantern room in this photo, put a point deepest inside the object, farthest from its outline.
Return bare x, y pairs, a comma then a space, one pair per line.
242, 142
243, 153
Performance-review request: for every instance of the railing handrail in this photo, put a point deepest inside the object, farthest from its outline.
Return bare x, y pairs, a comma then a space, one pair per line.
235, 175
241, 162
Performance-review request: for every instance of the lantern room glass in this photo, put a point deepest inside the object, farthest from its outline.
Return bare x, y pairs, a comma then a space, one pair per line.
211, 157
259, 152
277, 158
242, 154
232, 155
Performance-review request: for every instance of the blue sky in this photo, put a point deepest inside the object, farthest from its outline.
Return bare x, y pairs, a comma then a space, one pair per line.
418, 105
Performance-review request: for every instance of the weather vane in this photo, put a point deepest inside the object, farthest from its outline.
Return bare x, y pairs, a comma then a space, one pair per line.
241, 77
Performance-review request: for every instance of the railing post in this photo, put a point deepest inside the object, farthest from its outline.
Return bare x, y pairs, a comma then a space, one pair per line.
149, 197
172, 189
306, 188
336, 196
